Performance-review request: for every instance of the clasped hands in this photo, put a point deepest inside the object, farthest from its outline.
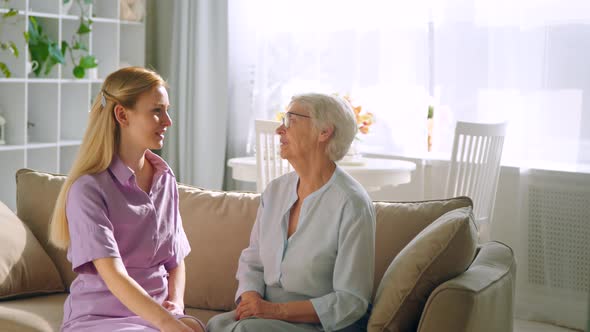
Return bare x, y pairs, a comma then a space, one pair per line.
173, 307
253, 305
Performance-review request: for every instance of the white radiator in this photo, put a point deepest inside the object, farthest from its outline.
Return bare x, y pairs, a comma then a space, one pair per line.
554, 265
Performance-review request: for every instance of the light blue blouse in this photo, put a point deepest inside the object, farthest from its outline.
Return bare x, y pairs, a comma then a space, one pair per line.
330, 257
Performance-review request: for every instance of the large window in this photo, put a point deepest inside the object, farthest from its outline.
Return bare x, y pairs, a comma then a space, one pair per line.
524, 61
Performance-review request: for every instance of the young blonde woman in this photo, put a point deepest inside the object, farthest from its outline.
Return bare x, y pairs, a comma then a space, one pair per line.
117, 215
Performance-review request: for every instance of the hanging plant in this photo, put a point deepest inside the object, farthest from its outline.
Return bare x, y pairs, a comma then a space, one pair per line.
84, 60
42, 48
7, 46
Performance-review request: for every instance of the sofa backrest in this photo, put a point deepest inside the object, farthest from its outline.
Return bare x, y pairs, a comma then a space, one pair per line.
218, 227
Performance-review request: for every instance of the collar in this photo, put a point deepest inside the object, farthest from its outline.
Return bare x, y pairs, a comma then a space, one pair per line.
293, 195
123, 173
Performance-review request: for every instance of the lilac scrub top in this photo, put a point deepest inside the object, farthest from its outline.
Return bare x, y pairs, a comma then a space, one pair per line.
110, 216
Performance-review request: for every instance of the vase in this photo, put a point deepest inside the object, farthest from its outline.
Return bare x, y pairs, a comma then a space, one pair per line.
429, 125
32, 66
92, 73
353, 155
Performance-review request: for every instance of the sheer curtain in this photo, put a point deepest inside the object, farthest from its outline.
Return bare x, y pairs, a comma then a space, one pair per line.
524, 61
476, 60
367, 49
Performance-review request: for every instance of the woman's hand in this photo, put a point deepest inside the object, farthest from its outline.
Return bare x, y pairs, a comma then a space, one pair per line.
174, 325
252, 305
250, 295
173, 307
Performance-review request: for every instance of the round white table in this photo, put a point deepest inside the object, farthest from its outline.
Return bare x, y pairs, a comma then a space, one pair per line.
372, 173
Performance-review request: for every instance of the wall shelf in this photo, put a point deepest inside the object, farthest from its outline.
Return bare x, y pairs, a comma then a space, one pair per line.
46, 116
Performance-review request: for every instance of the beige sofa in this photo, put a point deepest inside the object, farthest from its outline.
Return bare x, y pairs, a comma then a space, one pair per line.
218, 226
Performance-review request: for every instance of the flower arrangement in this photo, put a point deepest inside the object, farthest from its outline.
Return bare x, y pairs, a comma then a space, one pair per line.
363, 120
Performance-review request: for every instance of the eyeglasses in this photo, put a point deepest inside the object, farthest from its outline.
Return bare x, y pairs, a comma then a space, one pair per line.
287, 118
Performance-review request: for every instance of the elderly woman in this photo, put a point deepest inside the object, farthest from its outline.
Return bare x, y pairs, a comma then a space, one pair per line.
309, 265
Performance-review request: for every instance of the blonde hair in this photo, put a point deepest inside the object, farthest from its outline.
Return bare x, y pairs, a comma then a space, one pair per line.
101, 139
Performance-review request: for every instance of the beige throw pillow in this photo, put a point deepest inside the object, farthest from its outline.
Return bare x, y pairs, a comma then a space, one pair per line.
400, 222
25, 268
36, 193
441, 251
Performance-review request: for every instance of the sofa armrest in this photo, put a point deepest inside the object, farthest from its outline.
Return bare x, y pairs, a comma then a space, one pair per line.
480, 299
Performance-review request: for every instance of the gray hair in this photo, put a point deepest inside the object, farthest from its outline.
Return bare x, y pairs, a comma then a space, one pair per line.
331, 111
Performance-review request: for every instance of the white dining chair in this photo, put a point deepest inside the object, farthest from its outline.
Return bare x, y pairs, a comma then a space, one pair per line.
269, 164
475, 168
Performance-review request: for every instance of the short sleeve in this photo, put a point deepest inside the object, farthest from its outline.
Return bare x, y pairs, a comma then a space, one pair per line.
180, 244
91, 231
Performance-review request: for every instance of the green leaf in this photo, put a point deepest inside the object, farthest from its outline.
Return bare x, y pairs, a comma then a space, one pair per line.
79, 46
64, 47
48, 65
83, 28
79, 72
35, 24
39, 51
13, 48
56, 54
11, 12
88, 2
32, 36
88, 61
5, 70
66, 2
26, 35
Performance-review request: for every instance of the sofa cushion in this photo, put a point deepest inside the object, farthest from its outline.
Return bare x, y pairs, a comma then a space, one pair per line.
23, 260
37, 314
399, 222
218, 226
36, 193
443, 250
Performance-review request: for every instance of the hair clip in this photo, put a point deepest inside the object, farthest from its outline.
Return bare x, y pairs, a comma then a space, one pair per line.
103, 100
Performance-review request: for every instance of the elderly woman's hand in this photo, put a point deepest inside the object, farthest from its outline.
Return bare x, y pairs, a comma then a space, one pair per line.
252, 305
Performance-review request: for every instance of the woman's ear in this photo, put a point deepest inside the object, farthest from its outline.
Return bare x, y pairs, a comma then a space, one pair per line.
121, 115
326, 133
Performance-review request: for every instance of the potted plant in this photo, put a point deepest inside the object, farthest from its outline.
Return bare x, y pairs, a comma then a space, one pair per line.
7, 46
77, 49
